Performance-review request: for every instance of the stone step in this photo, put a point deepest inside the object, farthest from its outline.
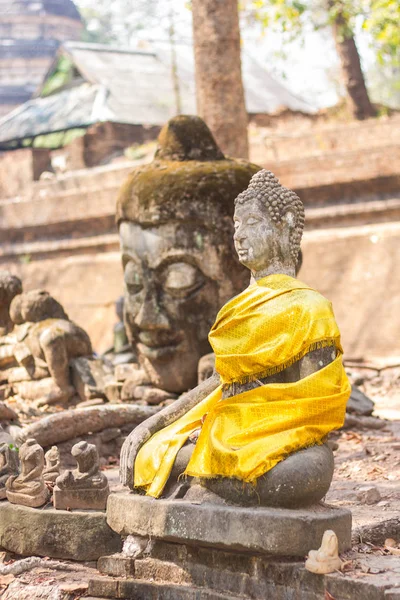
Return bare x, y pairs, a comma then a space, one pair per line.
131, 589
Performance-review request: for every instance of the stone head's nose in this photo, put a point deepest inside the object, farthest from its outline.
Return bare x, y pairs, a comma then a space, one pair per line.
151, 316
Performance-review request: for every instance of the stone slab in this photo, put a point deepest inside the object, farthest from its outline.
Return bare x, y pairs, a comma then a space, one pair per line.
179, 569
276, 532
129, 589
81, 499
77, 535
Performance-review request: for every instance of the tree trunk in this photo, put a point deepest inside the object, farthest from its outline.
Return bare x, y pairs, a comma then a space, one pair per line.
219, 87
353, 76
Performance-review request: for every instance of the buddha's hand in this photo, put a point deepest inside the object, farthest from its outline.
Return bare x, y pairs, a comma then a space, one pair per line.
129, 450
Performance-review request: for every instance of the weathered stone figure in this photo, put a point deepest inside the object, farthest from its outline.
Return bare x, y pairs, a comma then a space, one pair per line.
29, 488
10, 286
86, 486
253, 432
46, 340
52, 468
175, 225
9, 465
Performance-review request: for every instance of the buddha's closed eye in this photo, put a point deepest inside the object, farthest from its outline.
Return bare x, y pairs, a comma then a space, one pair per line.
181, 279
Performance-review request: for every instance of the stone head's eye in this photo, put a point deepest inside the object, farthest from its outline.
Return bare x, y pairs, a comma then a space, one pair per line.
133, 279
181, 279
252, 221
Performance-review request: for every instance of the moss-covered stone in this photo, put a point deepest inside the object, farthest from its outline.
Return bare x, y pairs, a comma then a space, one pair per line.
189, 179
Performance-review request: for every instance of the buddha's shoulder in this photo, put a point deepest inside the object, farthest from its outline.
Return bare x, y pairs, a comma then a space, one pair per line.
311, 301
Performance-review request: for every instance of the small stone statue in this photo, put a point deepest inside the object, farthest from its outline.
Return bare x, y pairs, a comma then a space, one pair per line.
253, 433
326, 559
86, 487
52, 468
29, 488
9, 465
10, 286
46, 340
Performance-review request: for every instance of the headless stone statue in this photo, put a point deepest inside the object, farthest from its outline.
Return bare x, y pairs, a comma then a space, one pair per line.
29, 488
326, 558
269, 221
52, 468
86, 487
9, 466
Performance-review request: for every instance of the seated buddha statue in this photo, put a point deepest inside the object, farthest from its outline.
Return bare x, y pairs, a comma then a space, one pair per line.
254, 432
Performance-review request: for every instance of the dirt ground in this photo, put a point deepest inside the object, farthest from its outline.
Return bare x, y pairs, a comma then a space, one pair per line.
366, 481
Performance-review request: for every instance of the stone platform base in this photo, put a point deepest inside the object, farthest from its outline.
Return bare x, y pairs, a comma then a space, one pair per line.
91, 499
179, 572
32, 501
77, 535
276, 532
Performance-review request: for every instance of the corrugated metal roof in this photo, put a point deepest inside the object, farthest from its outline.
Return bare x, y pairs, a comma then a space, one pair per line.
125, 86
68, 109
263, 93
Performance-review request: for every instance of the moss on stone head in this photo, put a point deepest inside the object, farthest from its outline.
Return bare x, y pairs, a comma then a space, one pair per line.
186, 137
189, 179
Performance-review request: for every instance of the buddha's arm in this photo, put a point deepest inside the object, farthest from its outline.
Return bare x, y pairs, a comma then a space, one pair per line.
165, 417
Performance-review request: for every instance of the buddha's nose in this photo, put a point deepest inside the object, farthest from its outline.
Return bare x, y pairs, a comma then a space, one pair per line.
151, 315
239, 235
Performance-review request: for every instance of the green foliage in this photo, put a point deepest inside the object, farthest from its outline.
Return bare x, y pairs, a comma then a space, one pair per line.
380, 18
383, 23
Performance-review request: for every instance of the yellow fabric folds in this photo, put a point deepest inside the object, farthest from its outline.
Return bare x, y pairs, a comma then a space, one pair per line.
265, 329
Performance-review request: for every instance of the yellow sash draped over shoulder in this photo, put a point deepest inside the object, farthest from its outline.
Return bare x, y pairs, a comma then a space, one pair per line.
272, 324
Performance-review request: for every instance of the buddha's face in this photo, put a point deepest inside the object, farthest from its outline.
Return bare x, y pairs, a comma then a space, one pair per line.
174, 287
259, 241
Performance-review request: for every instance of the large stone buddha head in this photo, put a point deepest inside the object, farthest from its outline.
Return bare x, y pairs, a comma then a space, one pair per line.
175, 224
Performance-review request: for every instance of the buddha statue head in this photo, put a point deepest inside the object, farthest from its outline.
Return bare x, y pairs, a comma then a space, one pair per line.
175, 224
269, 223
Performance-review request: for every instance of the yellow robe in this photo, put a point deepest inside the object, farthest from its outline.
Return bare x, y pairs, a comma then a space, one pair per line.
272, 324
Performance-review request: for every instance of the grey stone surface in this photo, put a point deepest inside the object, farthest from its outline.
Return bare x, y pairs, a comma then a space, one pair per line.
143, 590
178, 571
78, 535
117, 565
359, 403
279, 532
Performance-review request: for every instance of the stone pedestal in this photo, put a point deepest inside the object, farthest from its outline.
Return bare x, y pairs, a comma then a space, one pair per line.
271, 531
79, 535
81, 499
31, 501
179, 572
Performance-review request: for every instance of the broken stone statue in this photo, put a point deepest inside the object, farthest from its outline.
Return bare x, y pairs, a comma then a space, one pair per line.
86, 487
43, 343
10, 286
9, 466
175, 225
326, 559
52, 468
28, 488
254, 432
